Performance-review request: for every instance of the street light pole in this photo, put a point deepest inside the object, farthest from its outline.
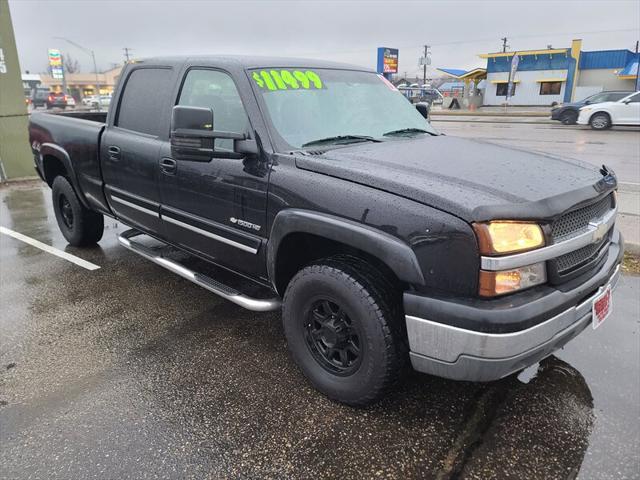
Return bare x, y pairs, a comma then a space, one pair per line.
93, 57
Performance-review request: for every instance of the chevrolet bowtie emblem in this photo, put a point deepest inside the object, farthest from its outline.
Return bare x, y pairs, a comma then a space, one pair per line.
600, 230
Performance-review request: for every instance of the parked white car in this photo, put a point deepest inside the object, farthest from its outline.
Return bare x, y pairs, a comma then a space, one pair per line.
92, 101
601, 116
88, 101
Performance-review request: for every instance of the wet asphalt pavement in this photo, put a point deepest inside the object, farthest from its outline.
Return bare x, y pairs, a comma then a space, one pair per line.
132, 372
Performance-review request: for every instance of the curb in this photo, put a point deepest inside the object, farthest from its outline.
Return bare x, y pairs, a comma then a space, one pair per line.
19, 180
519, 122
632, 248
444, 113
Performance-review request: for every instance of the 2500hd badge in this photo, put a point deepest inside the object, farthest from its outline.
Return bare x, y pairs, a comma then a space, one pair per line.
382, 242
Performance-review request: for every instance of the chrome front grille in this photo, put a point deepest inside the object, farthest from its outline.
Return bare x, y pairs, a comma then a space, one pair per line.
579, 257
574, 223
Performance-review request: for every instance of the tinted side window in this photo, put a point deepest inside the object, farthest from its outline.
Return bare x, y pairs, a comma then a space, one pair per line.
614, 97
601, 97
210, 88
141, 108
635, 98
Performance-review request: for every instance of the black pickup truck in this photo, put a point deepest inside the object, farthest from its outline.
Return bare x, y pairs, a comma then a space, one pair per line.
320, 185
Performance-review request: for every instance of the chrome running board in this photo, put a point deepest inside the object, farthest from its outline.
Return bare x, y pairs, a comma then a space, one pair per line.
226, 292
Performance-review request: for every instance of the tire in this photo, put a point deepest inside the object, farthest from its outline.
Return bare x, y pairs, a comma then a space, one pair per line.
343, 304
600, 121
79, 225
569, 118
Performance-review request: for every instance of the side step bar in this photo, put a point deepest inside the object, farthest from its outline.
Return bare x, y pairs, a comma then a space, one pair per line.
228, 293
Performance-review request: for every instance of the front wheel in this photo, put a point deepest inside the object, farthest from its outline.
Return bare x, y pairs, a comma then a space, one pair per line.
79, 225
600, 121
343, 325
569, 118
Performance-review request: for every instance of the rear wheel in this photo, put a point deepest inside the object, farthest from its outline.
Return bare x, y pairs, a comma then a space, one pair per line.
343, 325
79, 225
600, 121
569, 118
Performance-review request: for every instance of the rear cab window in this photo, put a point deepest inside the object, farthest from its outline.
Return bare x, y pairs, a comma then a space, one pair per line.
141, 108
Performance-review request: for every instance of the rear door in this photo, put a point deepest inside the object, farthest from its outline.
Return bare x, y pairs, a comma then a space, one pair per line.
216, 207
131, 146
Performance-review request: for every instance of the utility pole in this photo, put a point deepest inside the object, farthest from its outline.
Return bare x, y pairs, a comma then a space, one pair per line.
64, 76
424, 64
638, 67
126, 53
504, 44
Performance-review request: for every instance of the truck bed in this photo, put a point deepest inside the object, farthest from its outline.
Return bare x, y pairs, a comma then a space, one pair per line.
74, 139
100, 117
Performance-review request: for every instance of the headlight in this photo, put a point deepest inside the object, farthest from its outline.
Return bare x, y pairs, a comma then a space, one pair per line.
503, 237
493, 284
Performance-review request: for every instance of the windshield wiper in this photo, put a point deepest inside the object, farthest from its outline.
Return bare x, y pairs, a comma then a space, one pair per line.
406, 130
341, 138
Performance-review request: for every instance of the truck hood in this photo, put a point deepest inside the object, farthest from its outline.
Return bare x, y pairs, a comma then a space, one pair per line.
471, 179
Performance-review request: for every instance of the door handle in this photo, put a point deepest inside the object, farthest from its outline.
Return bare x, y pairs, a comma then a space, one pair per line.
114, 153
168, 166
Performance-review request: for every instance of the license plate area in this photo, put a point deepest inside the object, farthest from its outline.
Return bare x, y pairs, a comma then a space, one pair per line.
601, 307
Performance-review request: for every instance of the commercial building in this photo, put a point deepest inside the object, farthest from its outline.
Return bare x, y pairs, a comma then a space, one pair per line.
81, 85
558, 74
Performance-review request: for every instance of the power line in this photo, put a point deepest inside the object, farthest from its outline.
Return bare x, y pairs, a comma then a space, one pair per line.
476, 40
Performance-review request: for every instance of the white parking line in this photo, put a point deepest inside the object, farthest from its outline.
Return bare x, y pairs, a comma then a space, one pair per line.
49, 249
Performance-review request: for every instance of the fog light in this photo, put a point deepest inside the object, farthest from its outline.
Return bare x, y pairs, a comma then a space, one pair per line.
493, 284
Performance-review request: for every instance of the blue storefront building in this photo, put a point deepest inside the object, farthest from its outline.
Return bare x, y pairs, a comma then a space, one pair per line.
558, 74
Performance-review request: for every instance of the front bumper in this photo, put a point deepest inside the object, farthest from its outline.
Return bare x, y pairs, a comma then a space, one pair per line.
583, 118
449, 351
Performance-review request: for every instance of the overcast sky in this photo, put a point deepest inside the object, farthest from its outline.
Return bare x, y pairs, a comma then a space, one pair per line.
348, 31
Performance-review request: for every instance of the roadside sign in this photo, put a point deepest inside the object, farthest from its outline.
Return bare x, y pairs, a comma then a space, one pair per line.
55, 57
387, 60
55, 63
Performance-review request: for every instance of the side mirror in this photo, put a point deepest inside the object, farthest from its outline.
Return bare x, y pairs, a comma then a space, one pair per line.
423, 108
587, 102
191, 118
193, 136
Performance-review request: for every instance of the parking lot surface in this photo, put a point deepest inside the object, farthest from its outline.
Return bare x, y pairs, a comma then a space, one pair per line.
129, 371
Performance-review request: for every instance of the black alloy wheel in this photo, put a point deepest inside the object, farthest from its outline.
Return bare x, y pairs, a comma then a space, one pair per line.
79, 225
333, 339
344, 325
67, 211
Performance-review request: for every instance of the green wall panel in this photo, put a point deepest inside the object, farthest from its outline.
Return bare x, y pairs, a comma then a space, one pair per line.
15, 154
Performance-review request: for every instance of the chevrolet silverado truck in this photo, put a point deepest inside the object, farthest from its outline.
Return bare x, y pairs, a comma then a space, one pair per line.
332, 199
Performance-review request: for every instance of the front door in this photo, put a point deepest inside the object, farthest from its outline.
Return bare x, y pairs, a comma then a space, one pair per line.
131, 146
631, 111
216, 207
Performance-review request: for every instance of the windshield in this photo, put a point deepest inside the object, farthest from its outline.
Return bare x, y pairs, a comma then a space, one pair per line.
310, 105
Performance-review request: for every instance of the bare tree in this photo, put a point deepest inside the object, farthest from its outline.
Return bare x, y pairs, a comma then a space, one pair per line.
71, 65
